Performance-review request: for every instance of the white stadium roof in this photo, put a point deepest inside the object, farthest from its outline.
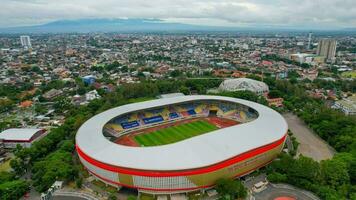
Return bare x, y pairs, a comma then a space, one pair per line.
18, 133
195, 152
239, 84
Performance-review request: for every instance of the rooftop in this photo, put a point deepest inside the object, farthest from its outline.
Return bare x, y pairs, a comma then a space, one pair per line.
18, 133
196, 152
239, 84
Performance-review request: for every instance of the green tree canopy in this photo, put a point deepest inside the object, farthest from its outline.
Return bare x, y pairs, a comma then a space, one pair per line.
230, 189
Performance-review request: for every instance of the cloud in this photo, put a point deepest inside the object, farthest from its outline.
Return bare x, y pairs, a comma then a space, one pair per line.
301, 13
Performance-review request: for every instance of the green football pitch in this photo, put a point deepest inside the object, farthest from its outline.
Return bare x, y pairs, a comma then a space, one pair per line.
174, 133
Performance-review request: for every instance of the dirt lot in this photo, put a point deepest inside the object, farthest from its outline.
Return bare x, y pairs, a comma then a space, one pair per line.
310, 145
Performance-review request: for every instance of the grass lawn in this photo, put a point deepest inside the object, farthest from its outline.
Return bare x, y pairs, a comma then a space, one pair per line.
350, 74
146, 197
175, 133
102, 186
5, 167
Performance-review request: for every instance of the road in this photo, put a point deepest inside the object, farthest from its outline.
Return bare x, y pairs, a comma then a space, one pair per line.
310, 145
273, 191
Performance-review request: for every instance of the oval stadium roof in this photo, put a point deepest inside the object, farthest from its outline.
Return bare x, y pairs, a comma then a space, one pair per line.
200, 151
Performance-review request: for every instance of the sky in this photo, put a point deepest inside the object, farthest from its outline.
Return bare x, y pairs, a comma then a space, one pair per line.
324, 14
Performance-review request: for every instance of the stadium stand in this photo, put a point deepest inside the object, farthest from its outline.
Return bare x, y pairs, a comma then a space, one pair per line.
132, 124
191, 112
173, 115
153, 119
177, 112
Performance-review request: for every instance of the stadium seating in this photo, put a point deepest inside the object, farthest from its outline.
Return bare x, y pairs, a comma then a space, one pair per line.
153, 119
191, 112
114, 127
131, 124
173, 115
175, 112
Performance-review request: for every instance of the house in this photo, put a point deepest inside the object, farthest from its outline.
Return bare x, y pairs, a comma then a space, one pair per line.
277, 102
90, 79
52, 94
346, 105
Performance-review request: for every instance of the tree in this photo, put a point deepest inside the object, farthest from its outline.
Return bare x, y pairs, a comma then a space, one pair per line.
13, 190
6, 104
255, 77
305, 168
61, 104
55, 84
305, 65
230, 189
79, 182
293, 74
140, 75
146, 89
184, 90
36, 69
334, 173
276, 177
81, 90
67, 145
6, 176
248, 95
56, 166
40, 109
175, 73
302, 172
274, 94
124, 69
112, 196
18, 166
112, 66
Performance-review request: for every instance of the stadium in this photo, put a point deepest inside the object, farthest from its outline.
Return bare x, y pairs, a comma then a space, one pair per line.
180, 144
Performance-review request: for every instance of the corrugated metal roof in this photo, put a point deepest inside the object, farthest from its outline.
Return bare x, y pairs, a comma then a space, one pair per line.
18, 133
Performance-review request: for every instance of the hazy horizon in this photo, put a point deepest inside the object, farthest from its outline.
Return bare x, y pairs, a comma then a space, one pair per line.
307, 14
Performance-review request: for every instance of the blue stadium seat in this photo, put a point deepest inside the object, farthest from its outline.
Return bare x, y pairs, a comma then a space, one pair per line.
132, 124
173, 115
191, 112
153, 119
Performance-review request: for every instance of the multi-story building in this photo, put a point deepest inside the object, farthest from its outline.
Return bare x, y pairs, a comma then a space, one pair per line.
25, 41
347, 106
327, 48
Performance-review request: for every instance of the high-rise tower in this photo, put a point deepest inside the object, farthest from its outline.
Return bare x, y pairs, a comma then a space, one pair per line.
327, 48
309, 40
25, 41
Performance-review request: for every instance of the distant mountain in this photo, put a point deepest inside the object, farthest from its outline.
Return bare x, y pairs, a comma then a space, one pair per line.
109, 25
142, 25
349, 29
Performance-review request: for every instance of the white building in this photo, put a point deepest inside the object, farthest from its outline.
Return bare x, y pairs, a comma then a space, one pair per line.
22, 136
347, 105
89, 96
244, 84
25, 41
